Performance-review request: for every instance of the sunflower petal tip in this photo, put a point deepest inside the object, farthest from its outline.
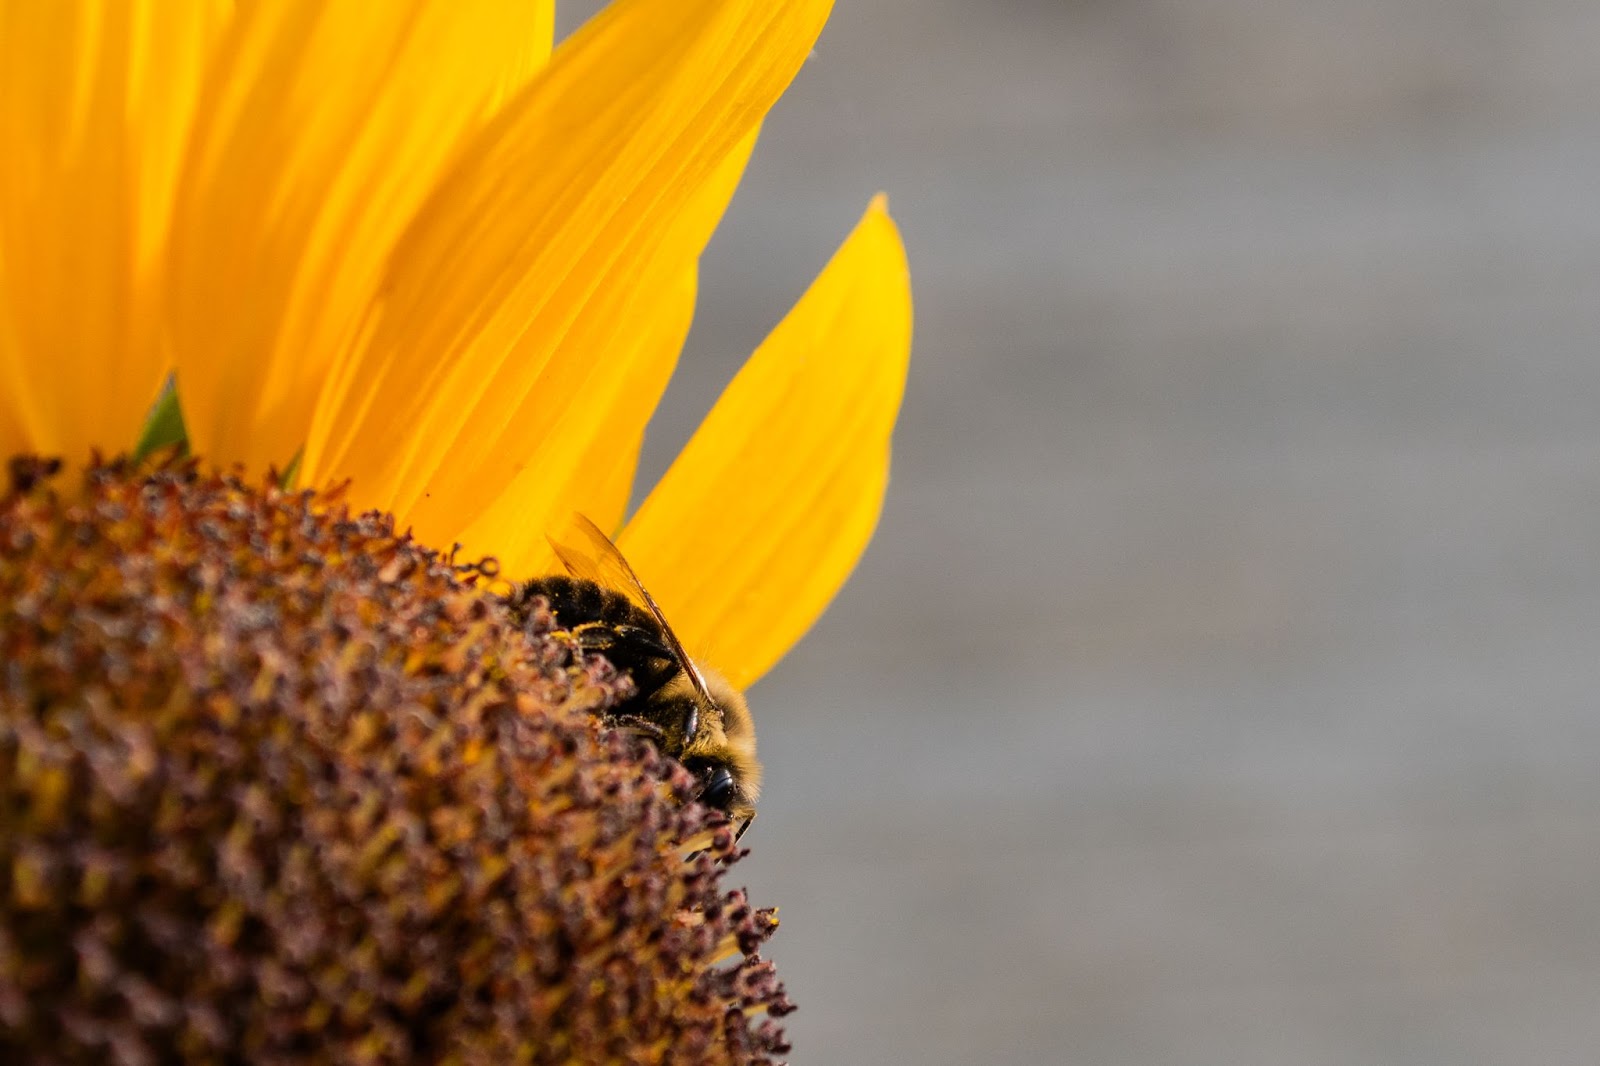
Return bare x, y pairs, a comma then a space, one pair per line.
808, 424
878, 221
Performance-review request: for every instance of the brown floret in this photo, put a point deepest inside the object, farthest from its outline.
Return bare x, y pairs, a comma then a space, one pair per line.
278, 785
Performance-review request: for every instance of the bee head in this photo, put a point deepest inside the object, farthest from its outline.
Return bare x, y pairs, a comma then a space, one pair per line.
722, 752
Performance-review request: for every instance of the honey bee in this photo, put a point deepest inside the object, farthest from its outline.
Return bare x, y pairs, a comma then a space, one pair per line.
689, 712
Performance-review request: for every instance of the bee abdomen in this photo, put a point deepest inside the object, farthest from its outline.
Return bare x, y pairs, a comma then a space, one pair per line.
575, 602
605, 621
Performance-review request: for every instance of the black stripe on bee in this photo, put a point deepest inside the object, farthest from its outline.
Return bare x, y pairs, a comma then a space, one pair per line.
606, 622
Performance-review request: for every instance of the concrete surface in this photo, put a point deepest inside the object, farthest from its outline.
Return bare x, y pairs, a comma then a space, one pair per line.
1221, 687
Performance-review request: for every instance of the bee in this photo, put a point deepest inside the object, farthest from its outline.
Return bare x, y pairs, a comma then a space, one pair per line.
691, 713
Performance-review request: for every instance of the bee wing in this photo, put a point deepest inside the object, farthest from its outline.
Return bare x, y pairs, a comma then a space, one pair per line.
597, 559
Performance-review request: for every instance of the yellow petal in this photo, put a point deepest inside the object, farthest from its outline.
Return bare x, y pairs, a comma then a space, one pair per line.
596, 405
762, 517
521, 270
95, 103
594, 474
323, 126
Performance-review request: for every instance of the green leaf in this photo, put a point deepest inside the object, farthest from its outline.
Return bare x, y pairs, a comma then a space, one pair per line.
165, 426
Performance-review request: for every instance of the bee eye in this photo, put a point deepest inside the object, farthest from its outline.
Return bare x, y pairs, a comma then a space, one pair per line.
718, 792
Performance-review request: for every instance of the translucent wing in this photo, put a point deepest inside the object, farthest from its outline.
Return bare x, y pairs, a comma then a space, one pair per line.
594, 558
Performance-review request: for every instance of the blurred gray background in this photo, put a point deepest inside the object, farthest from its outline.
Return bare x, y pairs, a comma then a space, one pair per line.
1220, 688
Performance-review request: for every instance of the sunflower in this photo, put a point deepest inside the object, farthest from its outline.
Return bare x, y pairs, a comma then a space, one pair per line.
409, 248
277, 781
